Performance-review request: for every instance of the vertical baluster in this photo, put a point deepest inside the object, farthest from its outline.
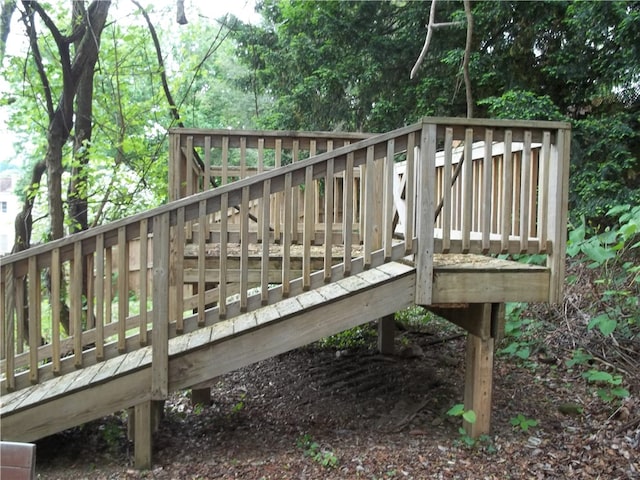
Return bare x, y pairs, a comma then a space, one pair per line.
277, 211
525, 186
369, 209
496, 200
189, 180
243, 157
225, 163
347, 214
224, 237
20, 319
286, 243
144, 256
56, 308
467, 187
202, 262
507, 191
487, 190
75, 293
410, 187
261, 218
34, 318
207, 164
316, 186
244, 248
108, 291
100, 297
294, 199
90, 294
387, 195
447, 187
176, 280
123, 288
10, 284
309, 230
328, 219
543, 191
264, 261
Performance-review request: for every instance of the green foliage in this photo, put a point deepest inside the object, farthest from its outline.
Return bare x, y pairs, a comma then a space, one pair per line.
519, 333
522, 104
609, 386
312, 449
614, 254
523, 423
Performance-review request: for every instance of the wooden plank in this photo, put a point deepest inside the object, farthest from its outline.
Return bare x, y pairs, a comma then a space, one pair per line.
543, 189
525, 189
261, 218
558, 211
308, 232
426, 179
144, 281
222, 281
487, 190
176, 265
225, 160
206, 182
80, 407
143, 436
294, 195
387, 195
386, 334
160, 332
410, 201
202, 220
56, 308
34, 318
507, 187
495, 287
467, 189
264, 261
244, 248
123, 287
278, 337
347, 212
446, 193
479, 382
286, 243
329, 218
369, 207
278, 219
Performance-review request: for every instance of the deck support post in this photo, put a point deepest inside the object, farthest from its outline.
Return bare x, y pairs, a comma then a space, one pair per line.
143, 435
484, 323
478, 383
386, 334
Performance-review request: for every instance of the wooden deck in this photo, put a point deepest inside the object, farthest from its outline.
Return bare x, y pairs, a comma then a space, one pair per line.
304, 235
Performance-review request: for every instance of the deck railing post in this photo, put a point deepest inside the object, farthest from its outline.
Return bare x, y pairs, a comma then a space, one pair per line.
558, 210
425, 231
160, 331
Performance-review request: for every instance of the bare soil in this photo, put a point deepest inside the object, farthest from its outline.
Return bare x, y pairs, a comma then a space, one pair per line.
322, 413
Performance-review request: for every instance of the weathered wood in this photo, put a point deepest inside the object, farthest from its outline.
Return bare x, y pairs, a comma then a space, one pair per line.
143, 435
160, 333
478, 389
386, 334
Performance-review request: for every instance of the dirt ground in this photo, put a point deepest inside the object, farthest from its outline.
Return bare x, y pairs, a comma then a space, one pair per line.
323, 413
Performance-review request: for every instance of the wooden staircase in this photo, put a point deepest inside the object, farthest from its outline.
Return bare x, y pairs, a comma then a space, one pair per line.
319, 233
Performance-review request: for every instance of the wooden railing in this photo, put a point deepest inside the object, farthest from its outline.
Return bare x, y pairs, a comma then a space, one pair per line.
174, 269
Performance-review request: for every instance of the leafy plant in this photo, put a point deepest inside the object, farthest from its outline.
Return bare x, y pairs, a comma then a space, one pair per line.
610, 385
467, 415
312, 449
523, 423
614, 254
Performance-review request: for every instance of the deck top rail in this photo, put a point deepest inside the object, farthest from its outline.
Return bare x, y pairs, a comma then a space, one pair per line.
356, 203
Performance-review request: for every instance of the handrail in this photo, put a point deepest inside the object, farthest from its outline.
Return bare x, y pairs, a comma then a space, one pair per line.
212, 254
